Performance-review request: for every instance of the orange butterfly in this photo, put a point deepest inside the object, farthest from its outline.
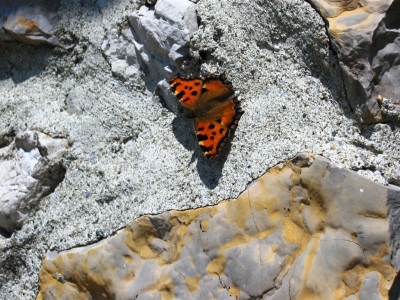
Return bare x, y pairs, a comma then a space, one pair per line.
212, 103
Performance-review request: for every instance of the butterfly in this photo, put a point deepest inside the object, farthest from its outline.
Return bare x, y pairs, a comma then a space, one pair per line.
212, 103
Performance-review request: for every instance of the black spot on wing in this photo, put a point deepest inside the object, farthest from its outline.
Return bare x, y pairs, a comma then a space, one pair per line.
221, 130
211, 126
197, 83
206, 149
180, 95
194, 93
200, 129
174, 86
202, 137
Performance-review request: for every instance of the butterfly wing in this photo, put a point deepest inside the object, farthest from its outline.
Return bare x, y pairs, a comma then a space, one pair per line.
214, 131
187, 90
195, 92
216, 89
216, 111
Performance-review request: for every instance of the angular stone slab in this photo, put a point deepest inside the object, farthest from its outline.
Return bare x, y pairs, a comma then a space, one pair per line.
305, 230
366, 37
29, 21
162, 37
30, 169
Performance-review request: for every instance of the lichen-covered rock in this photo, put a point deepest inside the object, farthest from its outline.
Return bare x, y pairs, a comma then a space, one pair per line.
305, 230
366, 36
29, 170
28, 21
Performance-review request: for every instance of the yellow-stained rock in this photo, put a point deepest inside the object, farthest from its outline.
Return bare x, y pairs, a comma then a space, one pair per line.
304, 230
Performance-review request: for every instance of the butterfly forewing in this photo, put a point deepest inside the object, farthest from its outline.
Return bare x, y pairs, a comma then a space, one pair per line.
216, 90
186, 90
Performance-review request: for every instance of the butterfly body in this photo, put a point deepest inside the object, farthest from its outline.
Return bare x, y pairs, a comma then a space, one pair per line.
212, 103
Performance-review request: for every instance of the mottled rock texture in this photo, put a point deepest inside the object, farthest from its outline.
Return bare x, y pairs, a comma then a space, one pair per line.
29, 21
366, 37
30, 168
305, 230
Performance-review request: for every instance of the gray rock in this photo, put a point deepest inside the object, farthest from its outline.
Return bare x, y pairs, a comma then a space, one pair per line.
390, 110
386, 55
162, 38
370, 289
121, 54
394, 211
29, 21
366, 37
181, 13
30, 169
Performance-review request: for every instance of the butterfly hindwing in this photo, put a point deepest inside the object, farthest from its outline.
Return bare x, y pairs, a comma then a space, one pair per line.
212, 103
212, 134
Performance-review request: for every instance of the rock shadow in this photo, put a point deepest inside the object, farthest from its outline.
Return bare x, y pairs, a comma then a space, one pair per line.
394, 292
89, 6
210, 171
21, 61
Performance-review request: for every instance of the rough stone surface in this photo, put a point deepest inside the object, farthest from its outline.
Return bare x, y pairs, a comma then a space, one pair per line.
133, 156
394, 212
29, 21
120, 50
366, 36
30, 169
305, 230
162, 38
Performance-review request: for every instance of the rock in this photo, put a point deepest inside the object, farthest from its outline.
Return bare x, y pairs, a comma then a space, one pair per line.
306, 229
162, 37
30, 169
29, 21
366, 37
386, 60
158, 44
121, 54
168, 98
390, 111
181, 13
394, 212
